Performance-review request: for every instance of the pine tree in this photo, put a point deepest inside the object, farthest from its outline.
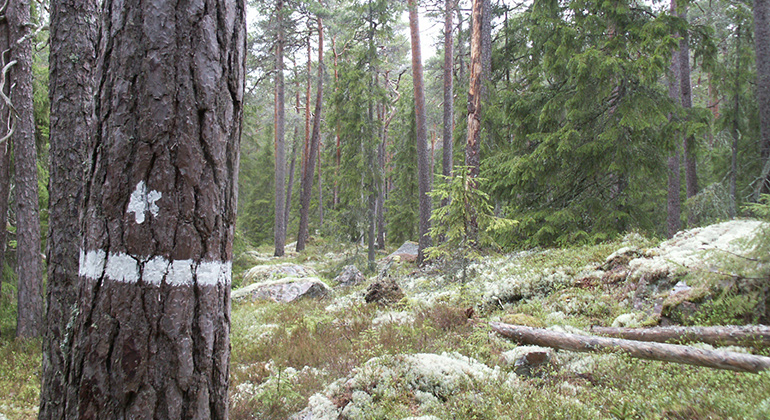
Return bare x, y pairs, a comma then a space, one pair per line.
151, 338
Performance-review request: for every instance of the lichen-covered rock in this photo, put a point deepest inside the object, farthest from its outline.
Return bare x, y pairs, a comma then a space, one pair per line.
284, 290
406, 252
528, 360
685, 251
422, 377
350, 276
261, 273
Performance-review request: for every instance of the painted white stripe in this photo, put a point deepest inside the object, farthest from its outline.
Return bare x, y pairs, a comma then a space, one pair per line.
213, 273
122, 267
92, 264
154, 271
180, 273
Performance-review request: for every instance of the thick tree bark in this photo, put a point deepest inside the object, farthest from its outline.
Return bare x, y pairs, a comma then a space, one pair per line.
734, 128
446, 161
690, 167
73, 38
5, 137
29, 265
280, 134
651, 351
460, 48
423, 166
486, 47
306, 185
757, 335
762, 50
475, 98
151, 338
292, 167
674, 206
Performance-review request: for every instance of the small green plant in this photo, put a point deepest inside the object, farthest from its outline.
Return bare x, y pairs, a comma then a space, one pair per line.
451, 224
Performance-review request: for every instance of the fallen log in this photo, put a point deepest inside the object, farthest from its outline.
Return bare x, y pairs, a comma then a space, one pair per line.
651, 351
755, 335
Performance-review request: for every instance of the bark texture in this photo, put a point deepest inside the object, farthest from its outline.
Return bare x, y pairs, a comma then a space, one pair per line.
423, 160
446, 162
306, 184
674, 205
72, 61
651, 351
5, 147
280, 142
757, 335
29, 265
762, 50
475, 95
690, 166
151, 338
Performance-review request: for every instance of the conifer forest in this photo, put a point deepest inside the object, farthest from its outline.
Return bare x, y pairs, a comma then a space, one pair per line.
369, 209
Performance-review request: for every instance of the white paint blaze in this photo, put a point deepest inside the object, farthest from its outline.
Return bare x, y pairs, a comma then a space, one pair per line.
92, 264
154, 271
211, 273
122, 267
180, 273
142, 201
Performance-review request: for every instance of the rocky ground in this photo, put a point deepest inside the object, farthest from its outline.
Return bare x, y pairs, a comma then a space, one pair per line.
318, 339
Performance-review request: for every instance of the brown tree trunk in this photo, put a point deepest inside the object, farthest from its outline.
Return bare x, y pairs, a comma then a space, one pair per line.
423, 169
151, 338
762, 51
446, 162
29, 265
734, 128
651, 351
486, 47
460, 48
6, 121
758, 335
292, 167
690, 172
306, 185
72, 60
475, 94
674, 207
280, 134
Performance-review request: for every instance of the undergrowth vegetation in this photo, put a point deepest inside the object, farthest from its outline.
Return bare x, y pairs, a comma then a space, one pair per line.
356, 360
286, 356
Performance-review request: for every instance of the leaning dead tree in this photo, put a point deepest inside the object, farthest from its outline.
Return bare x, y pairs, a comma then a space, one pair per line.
651, 351
752, 335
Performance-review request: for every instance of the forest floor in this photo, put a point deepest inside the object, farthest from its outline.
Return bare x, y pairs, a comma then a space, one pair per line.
431, 354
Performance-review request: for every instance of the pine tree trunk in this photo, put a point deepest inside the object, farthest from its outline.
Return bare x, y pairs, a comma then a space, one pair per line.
73, 38
486, 47
29, 265
734, 128
762, 50
423, 169
306, 186
446, 162
691, 175
674, 208
5, 147
475, 93
290, 185
151, 338
280, 134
